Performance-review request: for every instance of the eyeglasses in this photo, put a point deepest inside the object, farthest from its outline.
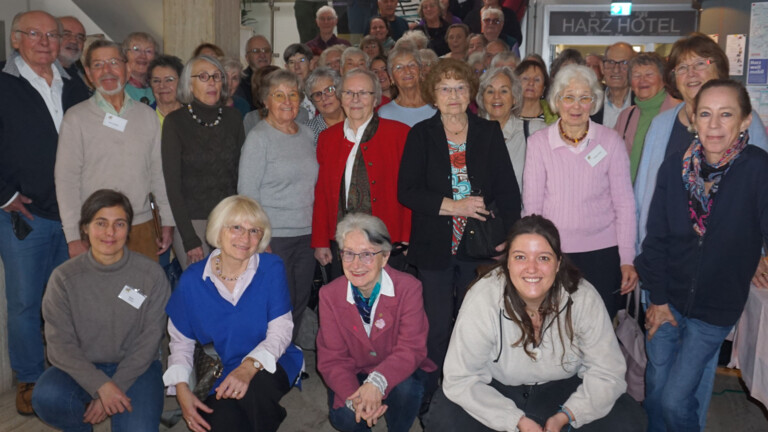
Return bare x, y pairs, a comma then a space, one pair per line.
35, 35
362, 94
698, 66
297, 61
280, 97
100, 64
138, 50
492, 21
610, 64
318, 95
448, 91
582, 100
69, 35
205, 76
169, 80
239, 231
402, 67
260, 51
365, 257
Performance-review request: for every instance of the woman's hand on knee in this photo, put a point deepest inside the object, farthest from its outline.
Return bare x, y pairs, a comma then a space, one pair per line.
236, 383
189, 404
94, 413
113, 399
527, 425
655, 316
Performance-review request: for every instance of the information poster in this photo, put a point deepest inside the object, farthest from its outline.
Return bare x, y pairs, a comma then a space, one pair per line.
735, 45
757, 67
759, 98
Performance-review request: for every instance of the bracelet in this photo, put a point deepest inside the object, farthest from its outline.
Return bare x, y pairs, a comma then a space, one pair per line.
567, 414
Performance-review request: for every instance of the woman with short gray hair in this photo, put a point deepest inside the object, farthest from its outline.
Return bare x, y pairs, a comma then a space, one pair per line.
321, 87
209, 136
500, 98
577, 175
354, 58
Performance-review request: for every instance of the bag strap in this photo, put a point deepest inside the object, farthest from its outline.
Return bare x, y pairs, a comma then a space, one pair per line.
636, 295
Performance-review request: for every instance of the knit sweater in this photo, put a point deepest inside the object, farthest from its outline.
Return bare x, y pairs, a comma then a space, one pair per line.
279, 171
86, 322
592, 207
93, 156
200, 164
407, 115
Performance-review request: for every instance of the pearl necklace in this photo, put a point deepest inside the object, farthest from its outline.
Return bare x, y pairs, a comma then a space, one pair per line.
201, 122
217, 269
570, 139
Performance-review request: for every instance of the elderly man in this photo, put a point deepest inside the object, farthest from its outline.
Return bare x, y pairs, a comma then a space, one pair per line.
140, 49
36, 91
618, 96
111, 141
493, 49
72, 41
326, 20
493, 22
258, 53
510, 23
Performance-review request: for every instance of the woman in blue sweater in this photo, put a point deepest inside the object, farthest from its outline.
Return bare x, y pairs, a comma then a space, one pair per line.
705, 232
237, 299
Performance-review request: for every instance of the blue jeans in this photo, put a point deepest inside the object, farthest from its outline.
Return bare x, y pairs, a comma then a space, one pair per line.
403, 403
28, 264
60, 401
678, 358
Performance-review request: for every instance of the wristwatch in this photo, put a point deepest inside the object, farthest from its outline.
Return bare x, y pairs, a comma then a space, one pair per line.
257, 364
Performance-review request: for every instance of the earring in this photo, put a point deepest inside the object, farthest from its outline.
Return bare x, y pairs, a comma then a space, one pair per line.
741, 135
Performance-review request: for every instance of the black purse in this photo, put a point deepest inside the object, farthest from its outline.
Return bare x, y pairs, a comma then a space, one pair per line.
480, 238
208, 369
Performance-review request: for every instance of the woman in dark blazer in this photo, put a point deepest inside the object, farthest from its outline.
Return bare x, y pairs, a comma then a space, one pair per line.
446, 158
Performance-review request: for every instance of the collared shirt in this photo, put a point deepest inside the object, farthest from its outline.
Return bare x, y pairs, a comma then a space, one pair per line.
611, 111
306, 103
355, 137
108, 108
279, 330
318, 45
51, 94
387, 289
576, 149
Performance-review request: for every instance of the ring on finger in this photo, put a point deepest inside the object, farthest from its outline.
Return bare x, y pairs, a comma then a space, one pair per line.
235, 393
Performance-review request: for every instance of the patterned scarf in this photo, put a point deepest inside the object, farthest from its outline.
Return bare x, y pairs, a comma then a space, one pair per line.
364, 305
696, 172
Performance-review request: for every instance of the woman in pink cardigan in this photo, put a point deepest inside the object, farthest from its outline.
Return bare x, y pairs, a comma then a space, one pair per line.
372, 342
577, 175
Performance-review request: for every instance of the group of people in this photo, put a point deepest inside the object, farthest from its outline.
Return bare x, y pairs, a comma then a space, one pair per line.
480, 219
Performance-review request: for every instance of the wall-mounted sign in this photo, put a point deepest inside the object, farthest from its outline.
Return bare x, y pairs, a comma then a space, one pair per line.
644, 23
621, 8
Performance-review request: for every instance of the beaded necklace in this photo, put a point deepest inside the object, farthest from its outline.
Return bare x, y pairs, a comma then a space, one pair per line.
568, 138
200, 121
219, 273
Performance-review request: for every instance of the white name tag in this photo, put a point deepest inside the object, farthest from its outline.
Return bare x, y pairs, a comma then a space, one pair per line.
596, 155
115, 122
132, 296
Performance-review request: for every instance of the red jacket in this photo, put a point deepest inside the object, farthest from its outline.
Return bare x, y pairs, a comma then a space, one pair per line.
382, 155
397, 345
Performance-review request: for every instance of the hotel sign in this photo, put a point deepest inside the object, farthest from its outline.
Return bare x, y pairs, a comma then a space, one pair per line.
663, 23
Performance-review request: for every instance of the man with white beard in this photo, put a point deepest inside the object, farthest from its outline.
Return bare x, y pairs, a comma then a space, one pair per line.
111, 141
71, 46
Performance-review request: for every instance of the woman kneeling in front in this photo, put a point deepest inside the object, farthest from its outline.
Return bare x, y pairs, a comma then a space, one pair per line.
533, 349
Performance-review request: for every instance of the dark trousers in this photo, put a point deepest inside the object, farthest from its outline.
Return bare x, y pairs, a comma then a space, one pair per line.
299, 260
258, 411
602, 268
305, 11
539, 402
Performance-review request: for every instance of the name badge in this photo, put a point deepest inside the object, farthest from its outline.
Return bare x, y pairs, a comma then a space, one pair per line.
132, 296
114, 122
596, 155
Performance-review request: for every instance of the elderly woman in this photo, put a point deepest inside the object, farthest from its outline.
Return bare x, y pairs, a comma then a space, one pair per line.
379, 68
359, 159
476, 43
274, 151
577, 175
428, 59
331, 57
297, 58
258, 82
200, 149
447, 158
505, 58
378, 27
533, 349
234, 74
140, 49
476, 62
715, 219
371, 46
104, 321
238, 283
646, 78
404, 65
354, 58
497, 100
536, 111
433, 25
457, 38
387, 317
321, 87
164, 72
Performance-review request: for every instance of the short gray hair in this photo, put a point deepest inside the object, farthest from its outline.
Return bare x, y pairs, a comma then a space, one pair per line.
495, 12
400, 51
319, 73
184, 90
517, 89
275, 78
476, 57
325, 9
576, 72
146, 37
354, 51
647, 59
372, 228
427, 54
374, 79
416, 37
503, 56
340, 48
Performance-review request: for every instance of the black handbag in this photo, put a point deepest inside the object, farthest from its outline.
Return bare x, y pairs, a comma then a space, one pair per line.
208, 369
480, 238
